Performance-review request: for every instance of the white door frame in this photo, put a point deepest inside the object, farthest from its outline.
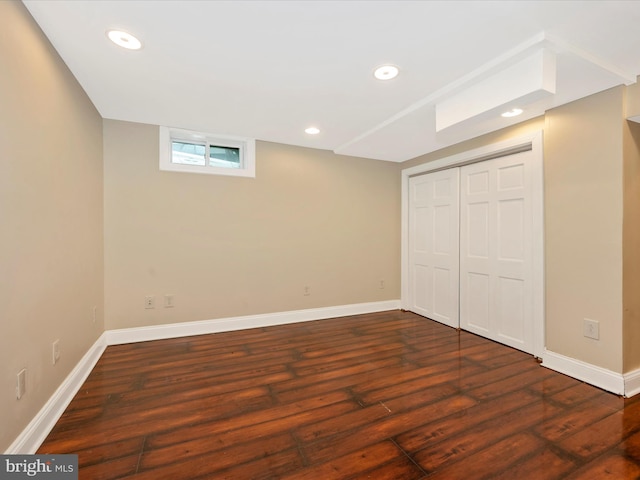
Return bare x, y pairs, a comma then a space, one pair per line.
531, 142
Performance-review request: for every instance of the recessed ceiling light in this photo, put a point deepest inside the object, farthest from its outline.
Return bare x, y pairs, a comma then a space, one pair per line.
386, 72
124, 39
514, 112
312, 130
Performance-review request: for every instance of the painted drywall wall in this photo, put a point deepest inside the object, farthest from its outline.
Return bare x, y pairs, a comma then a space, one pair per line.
51, 271
583, 222
631, 238
632, 101
583, 227
228, 246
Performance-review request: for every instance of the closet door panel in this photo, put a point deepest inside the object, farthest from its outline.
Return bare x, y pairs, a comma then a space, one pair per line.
433, 246
496, 259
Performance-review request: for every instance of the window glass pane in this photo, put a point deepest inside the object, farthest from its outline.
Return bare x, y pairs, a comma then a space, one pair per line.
187, 153
228, 157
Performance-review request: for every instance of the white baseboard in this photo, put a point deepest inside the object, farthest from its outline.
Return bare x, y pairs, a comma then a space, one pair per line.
34, 434
632, 383
175, 330
597, 376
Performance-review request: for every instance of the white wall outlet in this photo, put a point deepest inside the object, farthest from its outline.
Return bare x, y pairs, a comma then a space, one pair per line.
55, 351
21, 383
591, 329
307, 291
149, 301
168, 301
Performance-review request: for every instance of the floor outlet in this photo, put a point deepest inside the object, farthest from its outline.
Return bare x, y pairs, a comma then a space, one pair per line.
21, 384
55, 351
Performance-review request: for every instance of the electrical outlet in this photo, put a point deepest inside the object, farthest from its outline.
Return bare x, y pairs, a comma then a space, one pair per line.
168, 301
307, 291
149, 301
381, 284
95, 313
591, 329
21, 383
55, 351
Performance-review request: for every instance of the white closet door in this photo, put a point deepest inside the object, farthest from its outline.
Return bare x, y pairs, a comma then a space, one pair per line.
496, 256
433, 246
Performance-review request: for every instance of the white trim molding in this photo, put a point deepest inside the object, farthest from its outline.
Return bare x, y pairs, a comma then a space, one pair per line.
632, 383
175, 330
597, 376
34, 434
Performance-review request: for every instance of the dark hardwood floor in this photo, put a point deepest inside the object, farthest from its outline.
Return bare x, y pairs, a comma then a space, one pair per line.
382, 396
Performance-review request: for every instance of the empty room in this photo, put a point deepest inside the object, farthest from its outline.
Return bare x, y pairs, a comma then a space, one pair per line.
320, 239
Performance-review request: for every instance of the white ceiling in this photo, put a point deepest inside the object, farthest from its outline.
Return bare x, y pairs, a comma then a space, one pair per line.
268, 69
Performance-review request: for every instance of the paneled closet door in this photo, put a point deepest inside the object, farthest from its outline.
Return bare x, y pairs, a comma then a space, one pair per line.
496, 256
433, 246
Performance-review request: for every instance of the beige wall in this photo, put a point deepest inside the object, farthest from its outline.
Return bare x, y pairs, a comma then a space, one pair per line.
583, 222
51, 272
632, 103
228, 246
583, 227
631, 235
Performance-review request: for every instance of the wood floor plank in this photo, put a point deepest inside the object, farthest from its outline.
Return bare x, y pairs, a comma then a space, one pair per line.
369, 414
387, 427
573, 420
575, 394
402, 375
450, 376
554, 384
133, 422
121, 467
439, 428
288, 392
495, 459
178, 457
206, 466
612, 466
353, 463
510, 384
386, 395
373, 368
542, 465
258, 394
223, 383
604, 434
521, 367
630, 447
399, 468
454, 448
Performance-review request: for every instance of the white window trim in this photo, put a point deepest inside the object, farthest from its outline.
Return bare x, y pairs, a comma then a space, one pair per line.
247, 148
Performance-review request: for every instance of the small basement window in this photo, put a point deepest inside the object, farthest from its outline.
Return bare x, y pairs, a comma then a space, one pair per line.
197, 152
